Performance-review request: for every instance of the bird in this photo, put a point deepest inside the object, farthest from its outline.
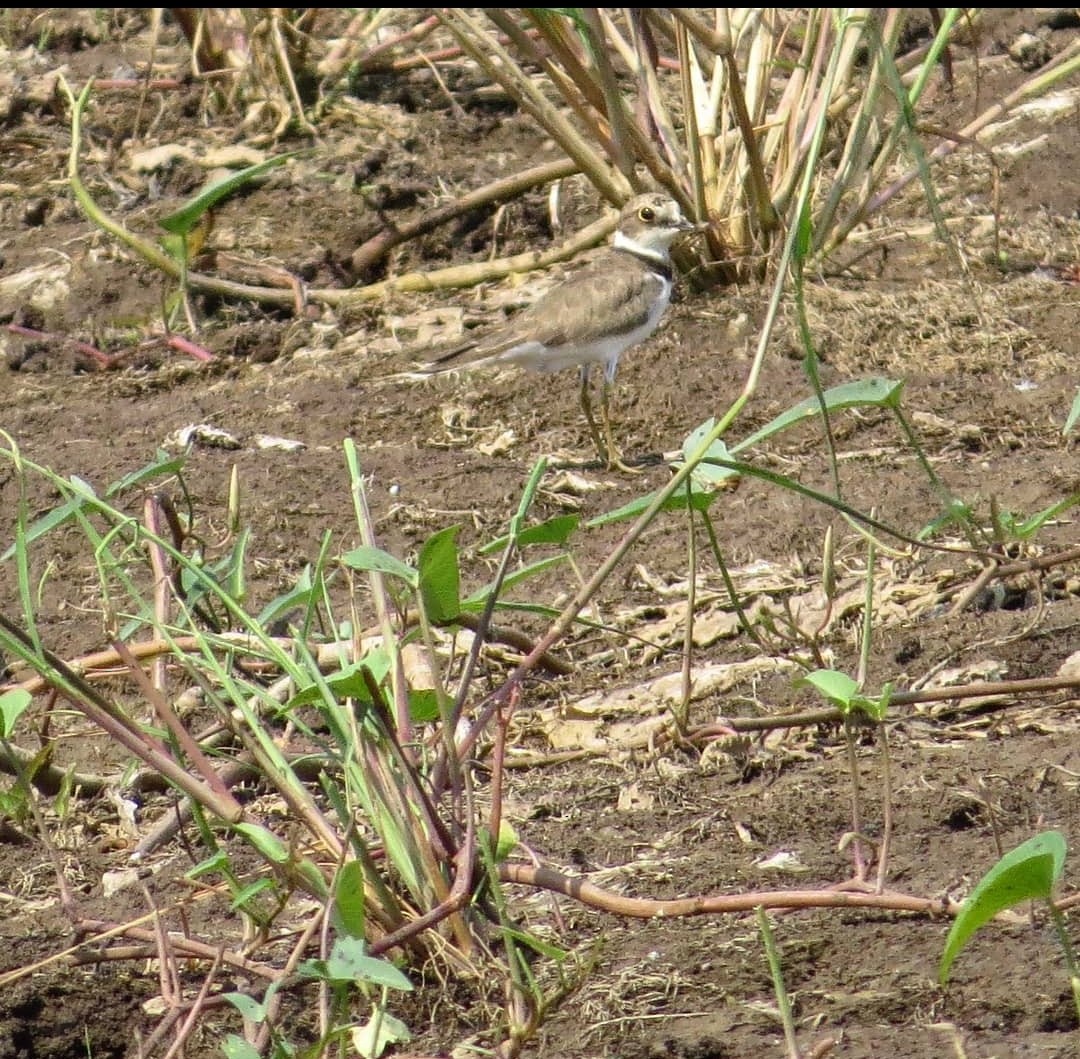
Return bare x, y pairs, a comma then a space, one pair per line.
591, 318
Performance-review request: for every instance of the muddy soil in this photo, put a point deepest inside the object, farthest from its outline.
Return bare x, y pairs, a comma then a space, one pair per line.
990, 365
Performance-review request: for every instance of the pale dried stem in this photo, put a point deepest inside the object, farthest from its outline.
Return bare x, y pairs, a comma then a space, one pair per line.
614, 103
485, 49
340, 55
674, 150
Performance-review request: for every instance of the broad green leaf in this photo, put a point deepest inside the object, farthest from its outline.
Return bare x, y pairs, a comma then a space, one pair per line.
440, 578
837, 687
300, 595
188, 216
349, 962
545, 949
217, 861
706, 477
699, 499
347, 683
175, 246
308, 871
164, 464
241, 898
377, 561
13, 703
1027, 528
1029, 871
876, 393
381, 1030
842, 691
235, 1047
349, 905
423, 705
266, 842
508, 840
956, 513
235, 574
252, 1009
555, 531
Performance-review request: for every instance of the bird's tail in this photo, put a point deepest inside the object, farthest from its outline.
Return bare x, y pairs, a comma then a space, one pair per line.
447, 361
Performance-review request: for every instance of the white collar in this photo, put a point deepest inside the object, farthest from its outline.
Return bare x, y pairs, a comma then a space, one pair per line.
624, 242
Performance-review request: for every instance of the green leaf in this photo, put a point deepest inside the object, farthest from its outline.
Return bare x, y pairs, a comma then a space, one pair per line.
699, 500
1029, 871
381, 1030
300, 595
555, 531
163, 465
217, 861
176, 247
13, 704
440, 578
843, 692
349, 906
1073, 417
424, 705
837, 687
265, 841
234, 573
243, 896
876, 393
1024, 530
308, 872
188, 216
545, 949
805, 236
508, 840
251, 1009
349, 962
376, 560
478, 599
347, 683
235, 1047
706, 477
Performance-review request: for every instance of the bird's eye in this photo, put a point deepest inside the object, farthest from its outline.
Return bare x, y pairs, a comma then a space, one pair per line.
647, 213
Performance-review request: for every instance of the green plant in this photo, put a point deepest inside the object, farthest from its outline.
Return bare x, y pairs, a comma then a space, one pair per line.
387, 839
1073, 417
347, 967
776, 973
1029, 872
188, 226
15, 801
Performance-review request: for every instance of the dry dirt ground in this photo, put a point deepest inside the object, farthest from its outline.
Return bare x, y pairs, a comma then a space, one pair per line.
990, 362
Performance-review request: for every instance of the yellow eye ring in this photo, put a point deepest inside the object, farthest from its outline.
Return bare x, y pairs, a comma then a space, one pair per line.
647, 213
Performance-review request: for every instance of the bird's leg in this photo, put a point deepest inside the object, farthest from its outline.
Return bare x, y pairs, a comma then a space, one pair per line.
614, 460
586, 407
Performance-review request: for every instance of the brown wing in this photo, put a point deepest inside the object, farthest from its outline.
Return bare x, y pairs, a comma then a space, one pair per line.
612, 289
614, 293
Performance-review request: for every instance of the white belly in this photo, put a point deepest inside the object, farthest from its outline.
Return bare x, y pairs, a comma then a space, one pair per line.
604, 349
